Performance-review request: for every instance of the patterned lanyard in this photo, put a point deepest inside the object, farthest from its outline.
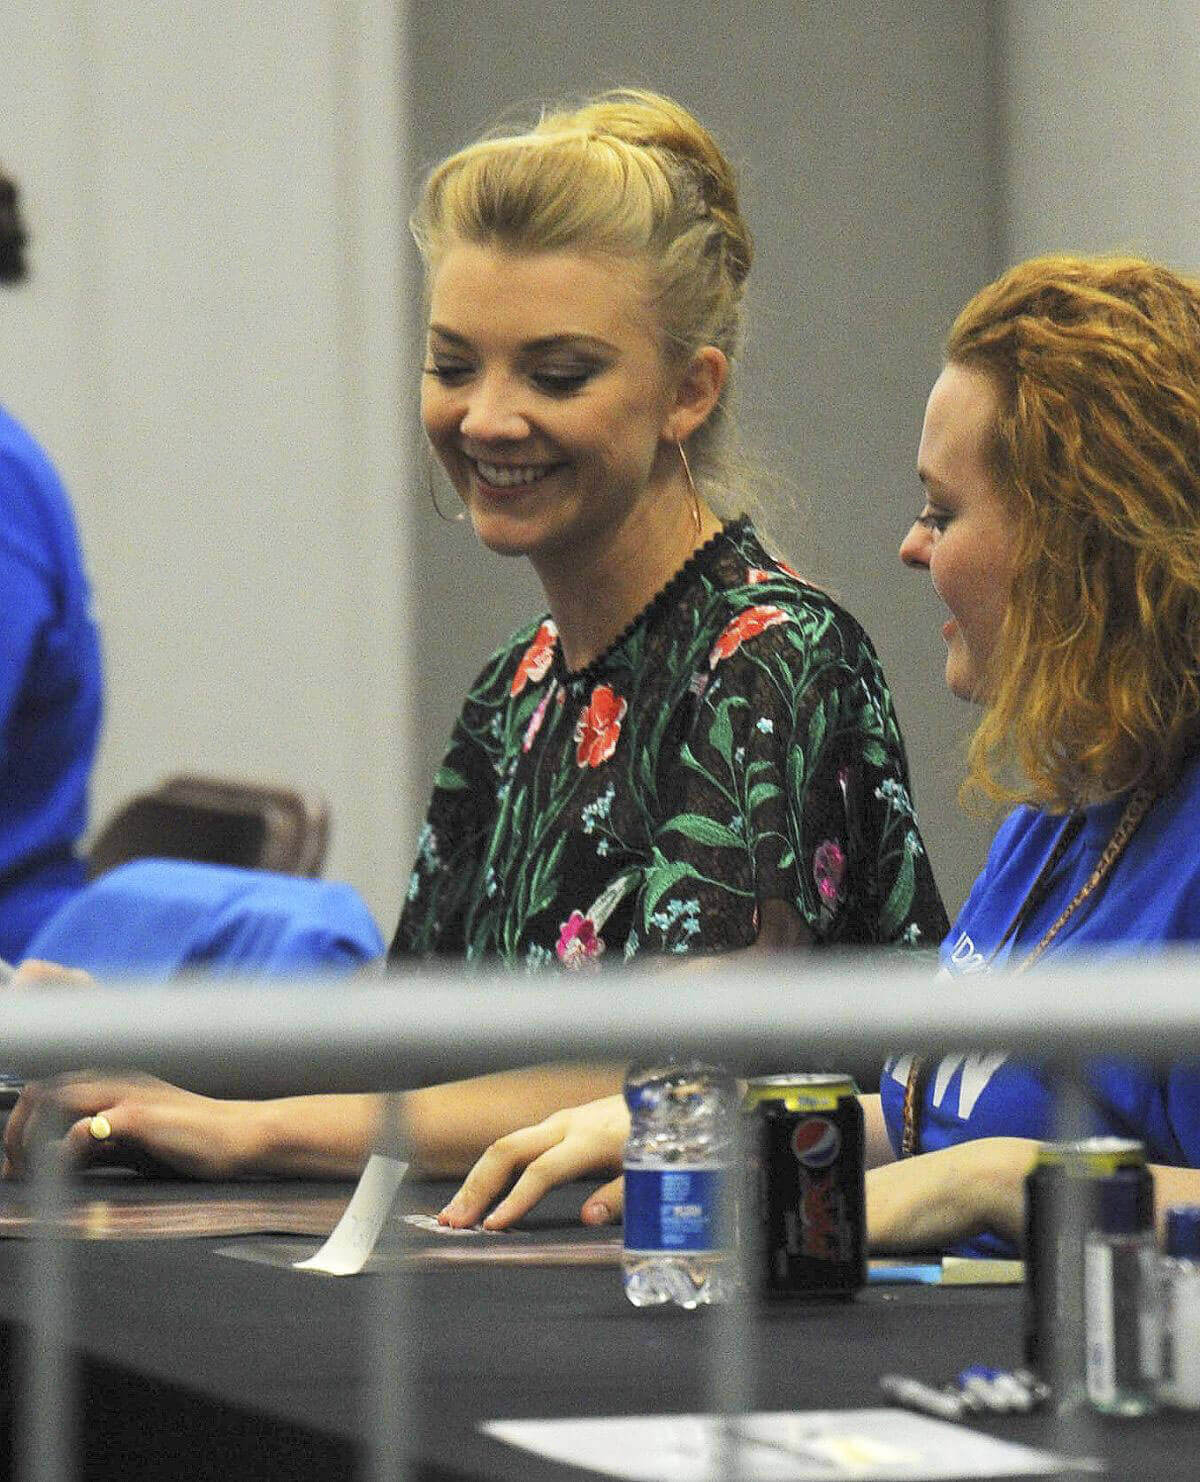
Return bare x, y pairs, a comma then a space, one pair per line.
1134, 811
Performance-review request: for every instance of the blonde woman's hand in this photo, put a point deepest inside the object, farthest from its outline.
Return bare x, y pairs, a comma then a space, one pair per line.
580, 1140
128, 1121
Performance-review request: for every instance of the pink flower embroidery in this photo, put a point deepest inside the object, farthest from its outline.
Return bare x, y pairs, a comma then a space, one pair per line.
748, 624
578, 944
535, 720
829, 870
535, 661
599, 727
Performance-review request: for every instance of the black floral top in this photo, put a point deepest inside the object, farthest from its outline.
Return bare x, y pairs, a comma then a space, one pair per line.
736, 744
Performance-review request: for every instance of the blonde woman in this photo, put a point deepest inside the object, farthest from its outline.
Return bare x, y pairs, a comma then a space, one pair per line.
691, 751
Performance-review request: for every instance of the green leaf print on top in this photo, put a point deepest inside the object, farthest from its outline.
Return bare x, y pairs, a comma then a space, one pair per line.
735, 745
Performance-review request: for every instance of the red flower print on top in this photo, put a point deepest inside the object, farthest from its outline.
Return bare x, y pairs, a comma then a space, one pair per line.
599, 727
535, 661
578, 945
757, 574
748, 624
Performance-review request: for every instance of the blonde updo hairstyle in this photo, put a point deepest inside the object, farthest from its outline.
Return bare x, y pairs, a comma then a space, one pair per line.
1094, 682
629, 174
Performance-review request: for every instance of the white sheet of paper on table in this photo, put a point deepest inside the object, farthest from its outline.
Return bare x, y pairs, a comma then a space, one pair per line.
882, 1445
431, 1223
353, 1238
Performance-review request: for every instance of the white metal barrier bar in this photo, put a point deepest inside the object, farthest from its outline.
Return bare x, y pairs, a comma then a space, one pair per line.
46, 1414
388, 1032
390, 1346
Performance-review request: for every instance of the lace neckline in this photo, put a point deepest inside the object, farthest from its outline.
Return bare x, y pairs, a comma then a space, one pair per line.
699, 558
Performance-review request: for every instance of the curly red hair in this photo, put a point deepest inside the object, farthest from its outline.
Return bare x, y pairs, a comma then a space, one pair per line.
1094, 681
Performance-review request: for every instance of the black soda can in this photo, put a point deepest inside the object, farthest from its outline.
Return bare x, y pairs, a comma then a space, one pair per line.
1062, 1199
805, 1204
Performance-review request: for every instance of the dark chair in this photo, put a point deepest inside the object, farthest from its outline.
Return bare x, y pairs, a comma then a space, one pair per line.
217, 820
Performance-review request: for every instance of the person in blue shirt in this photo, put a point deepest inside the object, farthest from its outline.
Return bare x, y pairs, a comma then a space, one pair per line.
1061, 528
50, 675
1060, 458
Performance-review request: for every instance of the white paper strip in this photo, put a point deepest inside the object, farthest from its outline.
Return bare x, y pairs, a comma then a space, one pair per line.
353, 1238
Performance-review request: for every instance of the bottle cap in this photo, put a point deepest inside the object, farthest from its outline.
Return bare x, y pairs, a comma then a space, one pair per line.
1123, 1207
1183, 1230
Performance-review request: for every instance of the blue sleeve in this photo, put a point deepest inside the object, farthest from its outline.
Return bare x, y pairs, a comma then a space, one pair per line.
50, 689
26, 578
1183, 1108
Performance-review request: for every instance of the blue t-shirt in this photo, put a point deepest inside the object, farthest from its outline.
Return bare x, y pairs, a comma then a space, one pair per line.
50, 691
1151, 898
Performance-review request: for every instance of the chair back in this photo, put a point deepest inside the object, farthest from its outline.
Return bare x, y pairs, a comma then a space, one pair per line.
218, 820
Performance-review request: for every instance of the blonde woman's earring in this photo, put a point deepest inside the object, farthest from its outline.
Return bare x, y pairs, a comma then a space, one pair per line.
430, 475
692, 486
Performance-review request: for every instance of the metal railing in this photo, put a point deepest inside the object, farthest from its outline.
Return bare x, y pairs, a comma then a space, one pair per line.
383, 1035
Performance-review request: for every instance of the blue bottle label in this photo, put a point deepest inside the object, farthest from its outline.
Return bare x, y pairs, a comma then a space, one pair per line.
672, 1209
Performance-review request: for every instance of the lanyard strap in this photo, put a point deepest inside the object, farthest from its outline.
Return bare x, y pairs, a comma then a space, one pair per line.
1134, 811
1040, 889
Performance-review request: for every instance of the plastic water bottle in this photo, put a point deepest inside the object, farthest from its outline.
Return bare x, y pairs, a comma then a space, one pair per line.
676, 1161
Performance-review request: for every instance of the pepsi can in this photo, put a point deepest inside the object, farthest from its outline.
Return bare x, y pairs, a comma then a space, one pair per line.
805, 1217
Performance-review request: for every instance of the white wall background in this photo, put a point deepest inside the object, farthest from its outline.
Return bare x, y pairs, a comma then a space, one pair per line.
1101, 137
211, 350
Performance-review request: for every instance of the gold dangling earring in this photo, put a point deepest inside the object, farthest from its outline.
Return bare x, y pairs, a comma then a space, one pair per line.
692, 486
437, 509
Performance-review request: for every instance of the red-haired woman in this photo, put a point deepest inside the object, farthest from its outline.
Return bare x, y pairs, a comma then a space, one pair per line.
1061, 529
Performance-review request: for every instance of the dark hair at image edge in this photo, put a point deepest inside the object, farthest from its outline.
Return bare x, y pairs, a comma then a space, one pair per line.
13, 237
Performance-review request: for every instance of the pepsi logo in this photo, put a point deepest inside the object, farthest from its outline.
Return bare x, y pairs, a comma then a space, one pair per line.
816, 1142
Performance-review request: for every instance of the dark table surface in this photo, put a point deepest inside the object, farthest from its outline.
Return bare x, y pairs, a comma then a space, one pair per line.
194, 1364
